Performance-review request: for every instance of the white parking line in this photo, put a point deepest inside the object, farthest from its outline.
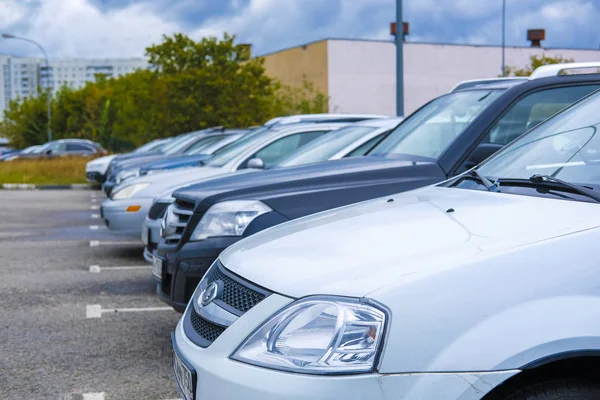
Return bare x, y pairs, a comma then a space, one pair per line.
96, 310
96, 243
97, 269
94, 208
94, 200
94, 227
93, 396
95, 216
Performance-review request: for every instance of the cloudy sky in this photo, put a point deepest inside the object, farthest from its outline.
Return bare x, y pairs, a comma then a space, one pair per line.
123, 28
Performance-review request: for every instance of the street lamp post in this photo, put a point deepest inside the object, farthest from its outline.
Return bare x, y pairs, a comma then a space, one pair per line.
49, 88
399, 60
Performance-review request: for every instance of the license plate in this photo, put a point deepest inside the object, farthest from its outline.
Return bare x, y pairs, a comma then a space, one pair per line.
184, 376
145, 235
157, 267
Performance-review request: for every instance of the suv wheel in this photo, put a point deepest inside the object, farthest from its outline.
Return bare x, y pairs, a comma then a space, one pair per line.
556, 389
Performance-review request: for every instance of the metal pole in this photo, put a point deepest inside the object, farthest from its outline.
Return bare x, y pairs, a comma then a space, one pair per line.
49, 88
503, 35
399, 60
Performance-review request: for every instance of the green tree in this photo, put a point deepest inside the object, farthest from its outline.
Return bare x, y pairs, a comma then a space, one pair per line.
535, 61
191, 85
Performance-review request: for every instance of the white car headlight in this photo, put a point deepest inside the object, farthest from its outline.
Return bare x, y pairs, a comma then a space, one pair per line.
128, 174
318, 335
229, 218
129, 191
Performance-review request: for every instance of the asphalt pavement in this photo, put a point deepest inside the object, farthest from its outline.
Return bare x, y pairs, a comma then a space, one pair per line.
79, 316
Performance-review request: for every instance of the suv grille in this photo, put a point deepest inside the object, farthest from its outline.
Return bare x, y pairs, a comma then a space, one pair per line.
236, 293
205, 329
183, 211
157, 210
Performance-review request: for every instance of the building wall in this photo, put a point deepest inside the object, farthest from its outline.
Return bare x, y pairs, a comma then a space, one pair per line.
362, 77
433, 69
307, 63
359, 76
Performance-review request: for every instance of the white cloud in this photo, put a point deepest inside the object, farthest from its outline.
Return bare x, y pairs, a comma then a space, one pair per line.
75, 28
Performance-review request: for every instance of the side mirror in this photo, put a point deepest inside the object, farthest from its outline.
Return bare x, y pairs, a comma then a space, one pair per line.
256, 163
481, 152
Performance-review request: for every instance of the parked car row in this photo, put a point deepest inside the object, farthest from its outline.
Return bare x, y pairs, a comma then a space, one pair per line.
448, 255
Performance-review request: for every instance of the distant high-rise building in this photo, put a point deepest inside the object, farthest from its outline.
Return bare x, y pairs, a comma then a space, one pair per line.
25, 76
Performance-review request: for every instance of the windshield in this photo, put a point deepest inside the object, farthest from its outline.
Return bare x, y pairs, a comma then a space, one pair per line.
232, 150
430, 130
151, 146
326, 146
31, 150
201, 145
179, 145
565, 147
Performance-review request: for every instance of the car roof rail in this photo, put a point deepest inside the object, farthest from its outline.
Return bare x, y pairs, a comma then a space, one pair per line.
556, 69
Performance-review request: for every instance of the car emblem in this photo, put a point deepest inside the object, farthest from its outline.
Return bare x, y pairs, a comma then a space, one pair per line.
209, 294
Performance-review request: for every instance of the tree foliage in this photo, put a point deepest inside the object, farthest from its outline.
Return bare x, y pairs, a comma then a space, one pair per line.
191, 85
535, 61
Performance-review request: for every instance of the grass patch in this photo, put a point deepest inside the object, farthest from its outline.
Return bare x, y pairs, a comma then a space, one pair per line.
53, 171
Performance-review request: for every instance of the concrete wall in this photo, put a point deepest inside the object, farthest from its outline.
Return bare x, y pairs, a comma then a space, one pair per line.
300, 64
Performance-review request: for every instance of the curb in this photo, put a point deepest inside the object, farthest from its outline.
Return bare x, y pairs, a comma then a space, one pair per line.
30, 186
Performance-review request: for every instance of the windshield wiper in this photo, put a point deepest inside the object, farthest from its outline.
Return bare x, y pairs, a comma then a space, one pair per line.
551, 182
476, 176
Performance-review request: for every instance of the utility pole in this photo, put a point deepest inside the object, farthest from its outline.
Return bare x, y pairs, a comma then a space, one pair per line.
503, 35
49, 89
399, 61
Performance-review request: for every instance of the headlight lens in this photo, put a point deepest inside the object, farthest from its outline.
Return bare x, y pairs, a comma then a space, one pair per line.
128, 174
129, 191
319, 335
229, 218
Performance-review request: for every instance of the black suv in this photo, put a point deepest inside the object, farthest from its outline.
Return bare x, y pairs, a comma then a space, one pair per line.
446, 137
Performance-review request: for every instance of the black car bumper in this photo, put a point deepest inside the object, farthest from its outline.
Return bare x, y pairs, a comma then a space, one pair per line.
95, 176
183, 270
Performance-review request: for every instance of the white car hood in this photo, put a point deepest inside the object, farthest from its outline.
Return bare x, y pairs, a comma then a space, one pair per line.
163, 181
355, 250
100, 164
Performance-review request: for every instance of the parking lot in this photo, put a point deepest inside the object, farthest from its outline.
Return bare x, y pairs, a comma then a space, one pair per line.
80, 319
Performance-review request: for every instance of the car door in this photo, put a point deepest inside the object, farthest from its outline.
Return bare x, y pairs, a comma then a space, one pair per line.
282, 147
521, 116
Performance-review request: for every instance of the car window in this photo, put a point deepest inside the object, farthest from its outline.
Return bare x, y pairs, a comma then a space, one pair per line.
75, 147
429, 131
326, 146
533, 109
366, 146
282, 147
57, 148
202, 144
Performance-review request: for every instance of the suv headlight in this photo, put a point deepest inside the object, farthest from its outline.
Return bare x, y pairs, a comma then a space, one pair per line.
318, 335
229, 218
128, 174
129, 191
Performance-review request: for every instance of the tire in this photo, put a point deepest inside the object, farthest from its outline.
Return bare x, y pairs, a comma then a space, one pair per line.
556, 389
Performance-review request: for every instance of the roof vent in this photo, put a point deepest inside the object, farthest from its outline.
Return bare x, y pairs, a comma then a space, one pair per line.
536, 36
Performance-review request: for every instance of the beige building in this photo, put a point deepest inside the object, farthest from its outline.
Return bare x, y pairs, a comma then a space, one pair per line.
359, 76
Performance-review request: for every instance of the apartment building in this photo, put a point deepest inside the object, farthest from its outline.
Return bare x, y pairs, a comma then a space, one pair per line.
24, 76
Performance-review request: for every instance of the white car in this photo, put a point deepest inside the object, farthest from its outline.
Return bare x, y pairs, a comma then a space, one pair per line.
351, 141
485, 286
130, 202
95, 170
